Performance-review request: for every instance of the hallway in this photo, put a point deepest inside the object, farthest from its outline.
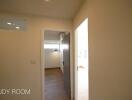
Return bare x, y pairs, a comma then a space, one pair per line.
54, 85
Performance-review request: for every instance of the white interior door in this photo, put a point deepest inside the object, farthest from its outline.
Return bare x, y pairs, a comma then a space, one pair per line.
81, 61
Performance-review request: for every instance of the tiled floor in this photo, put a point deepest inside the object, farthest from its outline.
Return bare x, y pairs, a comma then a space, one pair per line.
54, 85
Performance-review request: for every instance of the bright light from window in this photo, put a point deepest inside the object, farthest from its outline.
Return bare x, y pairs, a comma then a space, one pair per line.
51, 46
9, 23
56, 46
17, 27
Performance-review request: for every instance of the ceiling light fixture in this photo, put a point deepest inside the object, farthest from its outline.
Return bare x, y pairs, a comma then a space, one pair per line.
46, 0
9, 23
17, 27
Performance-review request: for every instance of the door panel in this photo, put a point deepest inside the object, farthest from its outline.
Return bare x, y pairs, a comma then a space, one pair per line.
66, 62
81, 62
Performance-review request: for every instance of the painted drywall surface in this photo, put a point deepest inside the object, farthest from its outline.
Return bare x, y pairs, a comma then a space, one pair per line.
81, 15
110, 56
20, 55
52, 58
51, 35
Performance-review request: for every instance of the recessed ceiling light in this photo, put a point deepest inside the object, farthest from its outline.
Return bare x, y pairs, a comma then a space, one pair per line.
9, 23
17, 27
47, 0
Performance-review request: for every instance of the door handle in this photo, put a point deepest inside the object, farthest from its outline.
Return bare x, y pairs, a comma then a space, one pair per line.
80, 67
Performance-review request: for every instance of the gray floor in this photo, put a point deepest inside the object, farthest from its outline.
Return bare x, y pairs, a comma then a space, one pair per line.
54, 85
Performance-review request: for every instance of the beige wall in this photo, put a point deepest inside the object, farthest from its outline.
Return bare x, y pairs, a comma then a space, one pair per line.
110, 48
81, 15
18, 52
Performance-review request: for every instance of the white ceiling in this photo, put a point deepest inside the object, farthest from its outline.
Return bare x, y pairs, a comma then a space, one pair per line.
55, 8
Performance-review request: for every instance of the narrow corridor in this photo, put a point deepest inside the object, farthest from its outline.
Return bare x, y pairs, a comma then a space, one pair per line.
54, 85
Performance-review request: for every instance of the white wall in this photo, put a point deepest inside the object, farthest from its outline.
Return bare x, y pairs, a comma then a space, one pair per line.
52, 58
110, 48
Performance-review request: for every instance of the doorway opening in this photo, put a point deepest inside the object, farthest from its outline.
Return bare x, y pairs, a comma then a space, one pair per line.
81, 62
57, 84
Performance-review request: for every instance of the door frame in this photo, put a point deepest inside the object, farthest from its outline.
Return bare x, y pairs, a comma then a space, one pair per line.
42, 62
76, 65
